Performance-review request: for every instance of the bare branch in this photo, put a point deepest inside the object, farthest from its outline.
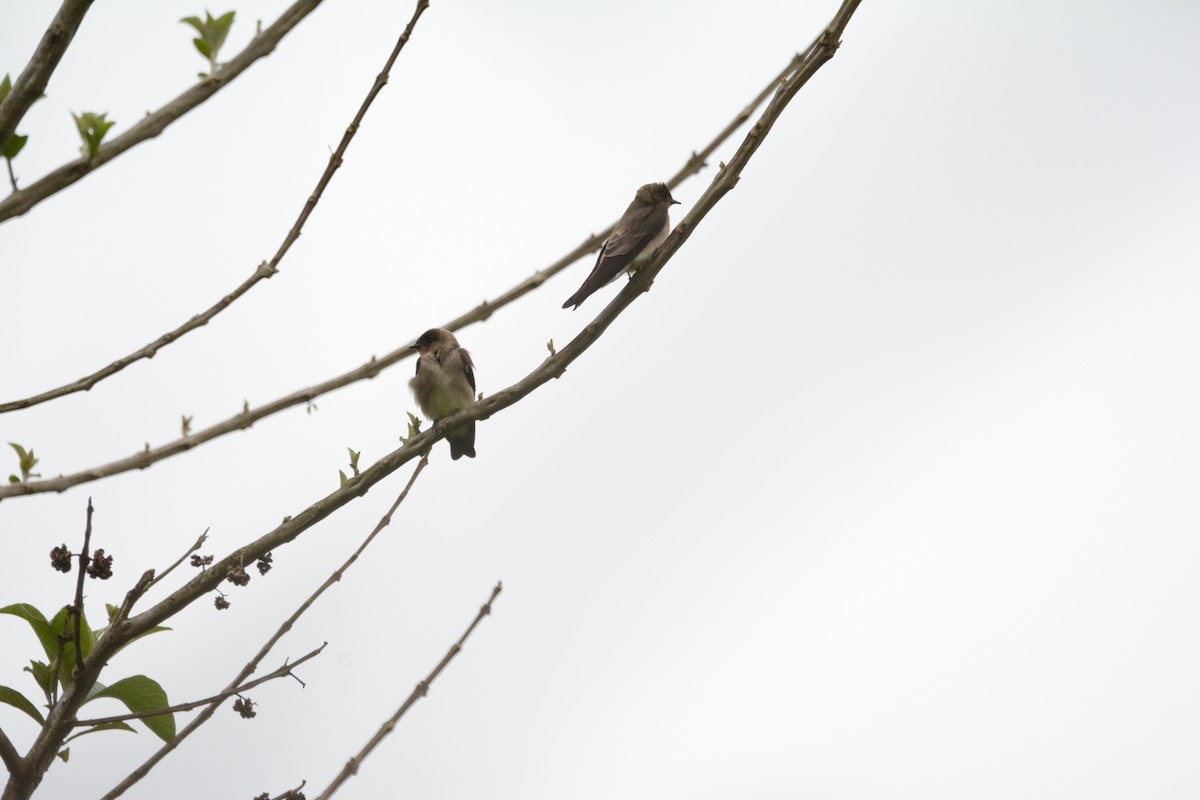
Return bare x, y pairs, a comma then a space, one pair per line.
9, 755
195, 546
252, 665
374, 366
75, 612
420, 691
31, 83
263, 271
291, 794
153, 124
284, 670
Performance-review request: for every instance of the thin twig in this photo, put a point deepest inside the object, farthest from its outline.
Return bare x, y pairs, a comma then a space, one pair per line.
290, 794
75, 612
11, 177
9, 755
374, 366
284, 670
420, 691
31, 83
262, 272
195, 546
153, 124
251, 665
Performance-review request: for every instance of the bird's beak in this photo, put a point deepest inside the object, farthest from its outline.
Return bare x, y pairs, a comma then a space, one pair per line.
674, 203
413, 347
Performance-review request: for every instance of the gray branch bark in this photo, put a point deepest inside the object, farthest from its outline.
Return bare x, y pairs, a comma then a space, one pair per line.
31, 83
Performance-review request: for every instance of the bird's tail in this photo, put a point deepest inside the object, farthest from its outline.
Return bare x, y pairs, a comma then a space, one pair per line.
462, 442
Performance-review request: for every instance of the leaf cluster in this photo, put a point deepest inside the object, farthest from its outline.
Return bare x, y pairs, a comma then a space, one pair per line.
139, 693
211, 36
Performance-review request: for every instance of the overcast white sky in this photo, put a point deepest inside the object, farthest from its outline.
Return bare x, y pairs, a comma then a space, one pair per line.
887, 489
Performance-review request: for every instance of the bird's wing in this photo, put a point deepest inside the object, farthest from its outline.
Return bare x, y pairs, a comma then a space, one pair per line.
634, 231
637, 228
468, 367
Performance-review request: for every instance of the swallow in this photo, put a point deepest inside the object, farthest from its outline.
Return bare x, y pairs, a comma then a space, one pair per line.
445, 384
642, 228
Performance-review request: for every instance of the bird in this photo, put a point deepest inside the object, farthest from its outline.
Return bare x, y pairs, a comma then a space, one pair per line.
641, 229
445, 384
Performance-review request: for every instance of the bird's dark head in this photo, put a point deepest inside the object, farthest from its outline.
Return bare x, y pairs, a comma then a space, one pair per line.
433, 340
656, 194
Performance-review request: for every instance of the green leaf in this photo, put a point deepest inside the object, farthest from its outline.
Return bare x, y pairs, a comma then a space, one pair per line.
18, 700
107, 726
342, 477
414, 427
211, 35
21, 454
61, 627
141, 694
5, 87
46, 635
92, 129
43, 674
13, 479
195, 23
65, 754
13, 146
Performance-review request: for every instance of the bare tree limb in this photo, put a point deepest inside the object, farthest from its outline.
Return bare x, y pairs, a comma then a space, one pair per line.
9, 755
284, 670
374, 366
31, 83
291, 794
253, 663
195, 546
75, 612
263, 271
420, 691
150, 126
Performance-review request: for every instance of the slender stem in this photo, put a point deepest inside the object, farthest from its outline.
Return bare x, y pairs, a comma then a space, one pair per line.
420, 691
285, 669
9, 755
31, 83
195, 546
76, 611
